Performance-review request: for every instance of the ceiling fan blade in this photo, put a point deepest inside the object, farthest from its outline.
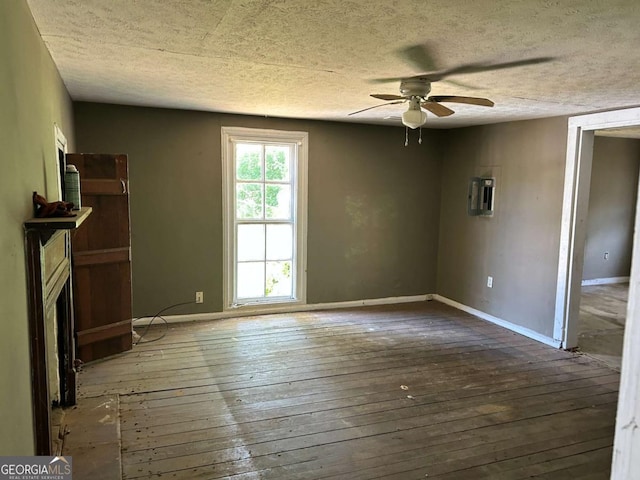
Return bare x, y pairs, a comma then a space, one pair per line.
455, 83
420, 57
437, 109
376, 106
484, 67
386, 79
485, 102
385, 96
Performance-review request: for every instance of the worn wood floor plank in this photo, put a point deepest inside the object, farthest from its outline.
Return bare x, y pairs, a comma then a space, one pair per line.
166, 362
165, 415
260, 431
467, 463
505, 357
263, 455
294, 395
154, 435
363, 337
437, 449
394, 392
341, 361
456, 387
359, 415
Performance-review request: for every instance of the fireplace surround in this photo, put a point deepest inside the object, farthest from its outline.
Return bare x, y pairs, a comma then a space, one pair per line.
50, 295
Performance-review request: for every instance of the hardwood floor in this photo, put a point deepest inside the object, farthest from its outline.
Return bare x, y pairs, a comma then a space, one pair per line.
603, 310
395, 392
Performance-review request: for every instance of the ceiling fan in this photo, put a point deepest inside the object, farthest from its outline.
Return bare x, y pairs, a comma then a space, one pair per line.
415, 89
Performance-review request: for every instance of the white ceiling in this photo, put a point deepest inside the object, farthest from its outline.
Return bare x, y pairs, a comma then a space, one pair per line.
314, 58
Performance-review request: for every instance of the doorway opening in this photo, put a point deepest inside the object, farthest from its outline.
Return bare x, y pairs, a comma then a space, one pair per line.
573, 234
608, 244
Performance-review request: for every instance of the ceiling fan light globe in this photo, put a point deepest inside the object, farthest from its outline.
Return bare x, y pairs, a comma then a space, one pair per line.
414, 118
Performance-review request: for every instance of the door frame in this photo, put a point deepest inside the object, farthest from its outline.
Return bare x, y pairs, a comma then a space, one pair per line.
61, 164
570, 263
581, 132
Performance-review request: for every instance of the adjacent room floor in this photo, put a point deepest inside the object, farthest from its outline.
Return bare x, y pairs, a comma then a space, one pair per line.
603, 310
395, 392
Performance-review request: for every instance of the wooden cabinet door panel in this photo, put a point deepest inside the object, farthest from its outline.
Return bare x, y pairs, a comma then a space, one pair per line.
102, 258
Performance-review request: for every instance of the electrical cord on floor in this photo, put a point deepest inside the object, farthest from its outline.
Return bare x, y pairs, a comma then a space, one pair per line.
153, 318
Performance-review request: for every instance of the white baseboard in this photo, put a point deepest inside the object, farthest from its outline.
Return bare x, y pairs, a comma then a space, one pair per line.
242, 312
498, 321
605, 281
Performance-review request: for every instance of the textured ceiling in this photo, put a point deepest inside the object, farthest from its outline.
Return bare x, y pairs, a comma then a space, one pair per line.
314, 58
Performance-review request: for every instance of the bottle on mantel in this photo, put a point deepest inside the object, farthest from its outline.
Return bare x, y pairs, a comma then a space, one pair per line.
72, 186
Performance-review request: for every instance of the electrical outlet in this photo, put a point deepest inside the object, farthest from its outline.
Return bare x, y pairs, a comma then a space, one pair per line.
199, 297
490, 281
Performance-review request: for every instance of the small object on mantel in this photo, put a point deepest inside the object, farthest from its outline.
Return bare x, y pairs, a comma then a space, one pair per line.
72, 186
44, 209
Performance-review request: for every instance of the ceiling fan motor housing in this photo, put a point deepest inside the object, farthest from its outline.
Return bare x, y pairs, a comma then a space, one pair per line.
415, 87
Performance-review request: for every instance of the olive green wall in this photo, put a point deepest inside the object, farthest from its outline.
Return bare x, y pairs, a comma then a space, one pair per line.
612, 207
32, 99
519, 245
373, 207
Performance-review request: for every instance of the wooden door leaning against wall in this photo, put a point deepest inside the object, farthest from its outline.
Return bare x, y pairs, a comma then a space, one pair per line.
102, 258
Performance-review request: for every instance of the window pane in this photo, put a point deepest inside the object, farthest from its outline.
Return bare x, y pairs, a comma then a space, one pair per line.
248, 163
277, 163
250, 282
251, 242
279, 282
248, 200
279, 242
278, 201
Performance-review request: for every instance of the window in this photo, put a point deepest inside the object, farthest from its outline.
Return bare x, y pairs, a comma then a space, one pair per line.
265, 216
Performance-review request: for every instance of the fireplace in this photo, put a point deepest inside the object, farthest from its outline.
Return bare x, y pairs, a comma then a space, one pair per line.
53, 375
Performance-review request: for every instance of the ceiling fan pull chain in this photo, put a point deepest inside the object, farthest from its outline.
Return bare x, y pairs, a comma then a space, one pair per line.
420, 137
406, 136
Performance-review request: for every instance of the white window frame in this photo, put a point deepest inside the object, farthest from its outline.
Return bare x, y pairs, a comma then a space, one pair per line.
231, 136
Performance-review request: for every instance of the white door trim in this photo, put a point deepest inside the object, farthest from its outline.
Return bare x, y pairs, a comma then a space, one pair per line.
61, 146
574, 214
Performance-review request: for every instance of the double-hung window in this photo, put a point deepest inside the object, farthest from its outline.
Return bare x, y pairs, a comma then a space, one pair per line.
265, 216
